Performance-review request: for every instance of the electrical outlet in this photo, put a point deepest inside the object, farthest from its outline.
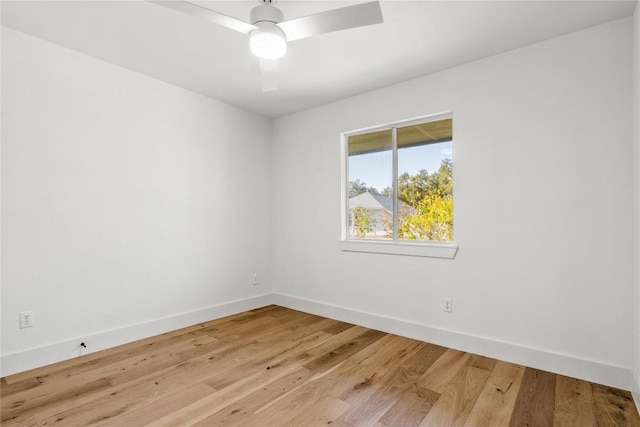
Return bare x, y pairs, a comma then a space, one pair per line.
26, 319
255, 279
448, 305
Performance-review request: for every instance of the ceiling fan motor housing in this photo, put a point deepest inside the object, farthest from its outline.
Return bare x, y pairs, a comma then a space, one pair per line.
266, 13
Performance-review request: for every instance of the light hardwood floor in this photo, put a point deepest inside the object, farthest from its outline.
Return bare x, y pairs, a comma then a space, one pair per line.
276, 366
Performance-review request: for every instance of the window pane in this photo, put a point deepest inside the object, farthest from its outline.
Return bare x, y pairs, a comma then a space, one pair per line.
425, 185
370, 182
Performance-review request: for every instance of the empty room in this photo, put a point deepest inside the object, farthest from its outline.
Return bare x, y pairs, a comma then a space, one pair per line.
305, 212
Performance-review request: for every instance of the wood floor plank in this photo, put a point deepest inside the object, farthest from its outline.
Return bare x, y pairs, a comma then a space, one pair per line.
232, 415
100, 371
575, 405
498, 397
444, 370
173, 377
389, 388
411, 408
14, 408
337, 340
296, 349
354, 376
376, 362
295, 329
31, 422
338, 354
337, 327
275, 366
321, 413
205, 407
125, 398
271, 392
363, 372
287, 406
262, 356
614, 407
157, 407
7, 389
536, 399
351, 383
319, 385
456, 401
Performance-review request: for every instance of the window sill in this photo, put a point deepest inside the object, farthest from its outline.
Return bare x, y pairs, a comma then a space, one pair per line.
430, 250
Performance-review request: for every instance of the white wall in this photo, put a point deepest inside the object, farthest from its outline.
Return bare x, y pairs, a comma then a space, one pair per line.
543, 205
636, 127
128, 205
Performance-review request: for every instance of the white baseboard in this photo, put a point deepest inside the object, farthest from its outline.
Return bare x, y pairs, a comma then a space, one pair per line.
51, 353
588, 370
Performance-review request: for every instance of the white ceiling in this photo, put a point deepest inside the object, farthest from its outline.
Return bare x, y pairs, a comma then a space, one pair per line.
416, 38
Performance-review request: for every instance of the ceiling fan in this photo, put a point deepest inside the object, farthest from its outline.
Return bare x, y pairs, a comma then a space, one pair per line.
269, 32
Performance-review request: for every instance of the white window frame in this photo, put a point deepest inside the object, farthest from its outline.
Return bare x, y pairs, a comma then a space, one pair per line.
447, 250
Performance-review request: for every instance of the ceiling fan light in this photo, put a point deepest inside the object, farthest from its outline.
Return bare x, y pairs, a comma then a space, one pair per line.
267, 43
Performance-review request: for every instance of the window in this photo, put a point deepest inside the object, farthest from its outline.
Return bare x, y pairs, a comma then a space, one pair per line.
399, 183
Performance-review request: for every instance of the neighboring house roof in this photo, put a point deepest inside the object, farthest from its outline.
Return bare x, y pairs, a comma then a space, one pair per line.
371, 201
377, 202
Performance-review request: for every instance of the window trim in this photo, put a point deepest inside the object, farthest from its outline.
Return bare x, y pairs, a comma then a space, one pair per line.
447, 250
403, 247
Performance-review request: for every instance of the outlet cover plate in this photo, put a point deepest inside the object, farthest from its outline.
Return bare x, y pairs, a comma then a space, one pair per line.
26, 319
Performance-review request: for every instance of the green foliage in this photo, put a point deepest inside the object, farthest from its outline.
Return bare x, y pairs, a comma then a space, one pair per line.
414, 188
429, 200
441, 182
363, 221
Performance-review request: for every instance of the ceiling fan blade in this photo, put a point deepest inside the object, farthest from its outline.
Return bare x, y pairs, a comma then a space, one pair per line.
269, 74
333, 20
204, 13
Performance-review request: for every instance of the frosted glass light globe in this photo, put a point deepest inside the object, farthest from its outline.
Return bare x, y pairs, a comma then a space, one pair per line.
268, 43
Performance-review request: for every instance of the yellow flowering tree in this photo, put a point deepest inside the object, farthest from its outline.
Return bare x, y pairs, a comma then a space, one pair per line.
430, 198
